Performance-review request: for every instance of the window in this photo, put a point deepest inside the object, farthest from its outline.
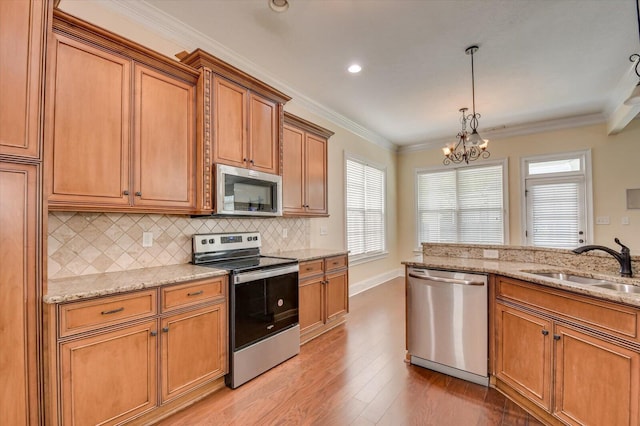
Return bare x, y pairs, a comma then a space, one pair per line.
464, 205
366, 200
557, 198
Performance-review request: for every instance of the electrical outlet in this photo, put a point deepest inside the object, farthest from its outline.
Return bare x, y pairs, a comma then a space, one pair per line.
603, 220
324, 230
490, 254
285, 232
147, 239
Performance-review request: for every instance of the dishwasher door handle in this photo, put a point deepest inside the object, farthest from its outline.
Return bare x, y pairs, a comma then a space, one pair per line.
446, 280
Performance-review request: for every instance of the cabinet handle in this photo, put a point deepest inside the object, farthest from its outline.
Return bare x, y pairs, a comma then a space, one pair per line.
154, 333
113, 311
165, 329
138, 194
125, 192
309, 268
545, 332
195, 293
556, 337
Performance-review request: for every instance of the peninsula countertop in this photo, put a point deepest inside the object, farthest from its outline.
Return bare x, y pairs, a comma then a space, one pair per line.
526, 271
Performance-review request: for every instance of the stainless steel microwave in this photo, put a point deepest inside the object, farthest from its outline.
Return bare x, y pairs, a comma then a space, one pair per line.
247, 192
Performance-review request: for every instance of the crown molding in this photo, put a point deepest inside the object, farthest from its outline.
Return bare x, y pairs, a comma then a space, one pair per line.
516, 130
170, 28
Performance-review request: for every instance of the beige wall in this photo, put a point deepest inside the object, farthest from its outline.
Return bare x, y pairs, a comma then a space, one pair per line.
345, 141
615, 165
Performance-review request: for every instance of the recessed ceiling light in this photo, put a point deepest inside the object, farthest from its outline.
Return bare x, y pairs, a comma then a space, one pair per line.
278, 5
354, 69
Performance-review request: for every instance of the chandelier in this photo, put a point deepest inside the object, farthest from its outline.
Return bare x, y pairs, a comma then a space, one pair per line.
468, 146
634, 99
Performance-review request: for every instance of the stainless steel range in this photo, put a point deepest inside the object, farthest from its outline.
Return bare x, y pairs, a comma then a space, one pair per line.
263, 302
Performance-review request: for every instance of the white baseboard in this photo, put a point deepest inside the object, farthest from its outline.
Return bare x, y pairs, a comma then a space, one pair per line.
364, 285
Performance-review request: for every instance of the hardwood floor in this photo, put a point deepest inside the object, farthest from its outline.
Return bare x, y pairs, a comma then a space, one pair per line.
356, 375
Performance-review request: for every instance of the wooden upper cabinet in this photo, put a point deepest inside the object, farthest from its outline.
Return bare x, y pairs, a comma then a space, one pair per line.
88, 116
304, 169
229, 121
23, 26
120, 124
293, 176
18, 286
264, 149
239, 122
164, 141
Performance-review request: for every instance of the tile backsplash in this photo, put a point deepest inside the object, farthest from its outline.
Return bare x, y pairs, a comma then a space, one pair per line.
89, 243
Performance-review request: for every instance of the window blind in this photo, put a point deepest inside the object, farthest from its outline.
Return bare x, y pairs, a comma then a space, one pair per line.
555, 214
461, 205
365, 208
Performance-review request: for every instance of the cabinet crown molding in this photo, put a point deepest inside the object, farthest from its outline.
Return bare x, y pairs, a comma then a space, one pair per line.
308, 126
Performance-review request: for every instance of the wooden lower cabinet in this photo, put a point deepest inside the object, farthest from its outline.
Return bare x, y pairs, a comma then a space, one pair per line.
323, 295
136, 357
193, 349
562, 368
109, 377
596, 382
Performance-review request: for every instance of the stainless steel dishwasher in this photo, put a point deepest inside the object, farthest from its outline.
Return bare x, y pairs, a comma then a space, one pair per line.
447, 318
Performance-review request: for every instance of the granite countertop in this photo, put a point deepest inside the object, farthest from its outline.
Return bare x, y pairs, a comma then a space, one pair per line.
308, 254
522, 271
81, 287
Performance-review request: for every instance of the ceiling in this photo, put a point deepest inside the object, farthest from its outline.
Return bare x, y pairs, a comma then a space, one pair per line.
538, 59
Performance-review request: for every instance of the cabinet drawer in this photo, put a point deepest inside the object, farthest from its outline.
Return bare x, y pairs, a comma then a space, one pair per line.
313, 267
608, 317
336, 262
79, 317
193, 293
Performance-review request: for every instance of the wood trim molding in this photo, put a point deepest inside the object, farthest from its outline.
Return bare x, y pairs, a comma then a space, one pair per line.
79, 29
307, 126
199, 59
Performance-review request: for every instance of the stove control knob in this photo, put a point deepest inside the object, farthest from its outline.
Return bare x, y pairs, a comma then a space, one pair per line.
211, 241
204, 241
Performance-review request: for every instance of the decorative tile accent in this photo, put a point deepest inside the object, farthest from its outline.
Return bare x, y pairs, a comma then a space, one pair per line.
89, 243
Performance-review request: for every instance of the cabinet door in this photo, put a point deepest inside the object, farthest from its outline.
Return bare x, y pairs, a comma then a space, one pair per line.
293, 170
311, 301
597, 383
164, 143
18, 294
229, 123
316, 174
264, 148
22, 31
337, 288
110, 377
523, 353
194, 349
87, 133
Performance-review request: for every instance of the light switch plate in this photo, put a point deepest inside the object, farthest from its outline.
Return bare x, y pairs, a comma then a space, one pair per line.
324, 230
625, 220
603, 220
285, 232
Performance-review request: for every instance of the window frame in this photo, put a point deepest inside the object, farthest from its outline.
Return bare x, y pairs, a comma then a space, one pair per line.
586, 172
489, 163
355, 259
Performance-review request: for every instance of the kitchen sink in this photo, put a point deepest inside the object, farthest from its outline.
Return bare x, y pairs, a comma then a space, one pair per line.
624, 288
570, 277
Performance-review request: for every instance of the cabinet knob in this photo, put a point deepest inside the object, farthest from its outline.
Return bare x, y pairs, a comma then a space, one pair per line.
165, 329
545, 332
138, 194
154, 333
556, 337
125, 192
245, 160
251, 161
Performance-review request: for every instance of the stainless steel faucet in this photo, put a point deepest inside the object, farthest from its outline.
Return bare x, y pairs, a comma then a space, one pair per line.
624, 257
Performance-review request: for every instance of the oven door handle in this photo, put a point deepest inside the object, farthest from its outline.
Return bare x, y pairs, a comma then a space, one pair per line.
244, 277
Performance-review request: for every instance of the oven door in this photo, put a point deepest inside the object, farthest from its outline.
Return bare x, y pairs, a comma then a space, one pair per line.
263, 303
